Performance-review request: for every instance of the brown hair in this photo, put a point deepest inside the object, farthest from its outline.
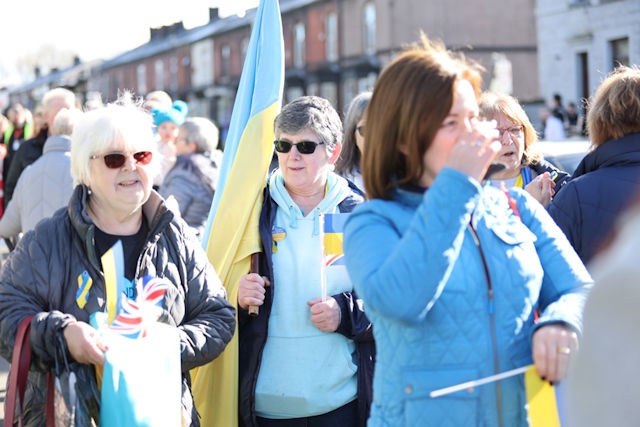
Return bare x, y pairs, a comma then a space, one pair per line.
411, 98
615, 107
491, 104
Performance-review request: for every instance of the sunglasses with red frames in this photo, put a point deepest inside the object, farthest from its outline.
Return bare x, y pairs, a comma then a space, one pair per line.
116, 160
304, 147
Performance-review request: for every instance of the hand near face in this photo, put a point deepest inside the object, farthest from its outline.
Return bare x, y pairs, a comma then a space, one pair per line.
325, 315
474, 150
462, 142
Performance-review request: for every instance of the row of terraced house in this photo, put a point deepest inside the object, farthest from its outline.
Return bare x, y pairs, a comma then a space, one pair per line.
336, 49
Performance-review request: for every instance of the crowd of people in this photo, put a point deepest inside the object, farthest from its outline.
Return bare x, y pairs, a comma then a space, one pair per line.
466, 253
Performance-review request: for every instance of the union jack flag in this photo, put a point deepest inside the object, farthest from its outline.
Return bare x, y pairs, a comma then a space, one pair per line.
136, 315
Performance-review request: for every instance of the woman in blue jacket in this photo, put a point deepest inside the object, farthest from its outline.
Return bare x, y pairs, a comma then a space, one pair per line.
452, 272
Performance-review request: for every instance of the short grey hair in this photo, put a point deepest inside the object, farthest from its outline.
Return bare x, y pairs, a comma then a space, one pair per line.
95, 132
313, 113
201, 131
65, 121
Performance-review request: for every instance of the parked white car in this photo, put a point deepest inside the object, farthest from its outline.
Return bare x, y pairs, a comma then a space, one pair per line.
565, 154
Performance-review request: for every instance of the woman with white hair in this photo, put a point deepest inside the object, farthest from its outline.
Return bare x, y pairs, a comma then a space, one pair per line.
112, 164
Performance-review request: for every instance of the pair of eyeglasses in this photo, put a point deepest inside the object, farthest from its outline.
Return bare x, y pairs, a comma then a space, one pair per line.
304, 147
360, 129
116, 160
514, 131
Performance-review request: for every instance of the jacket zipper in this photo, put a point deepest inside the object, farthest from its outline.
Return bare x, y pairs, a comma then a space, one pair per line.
492, 322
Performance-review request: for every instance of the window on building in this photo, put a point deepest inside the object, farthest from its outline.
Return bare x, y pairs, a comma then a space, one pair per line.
619, 52
158, 67
293, 93
369, 28
331, 37
141, 77
244, 46
173, 73
202, 63
329, 90
225, 54
299, 45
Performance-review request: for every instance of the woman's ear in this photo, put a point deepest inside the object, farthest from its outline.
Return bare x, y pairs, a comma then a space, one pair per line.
336, 153
403, 148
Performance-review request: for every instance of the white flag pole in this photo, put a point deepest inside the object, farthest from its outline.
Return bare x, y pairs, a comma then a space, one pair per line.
478, 382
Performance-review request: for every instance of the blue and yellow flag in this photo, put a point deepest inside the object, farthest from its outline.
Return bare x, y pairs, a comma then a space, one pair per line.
333, 238
543, 401
231, 234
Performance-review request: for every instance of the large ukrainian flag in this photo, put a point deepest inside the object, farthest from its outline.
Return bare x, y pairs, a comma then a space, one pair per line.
231, 235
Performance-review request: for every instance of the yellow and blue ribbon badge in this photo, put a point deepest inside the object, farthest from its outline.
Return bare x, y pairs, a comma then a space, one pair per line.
333, 238
277, 234
84, 285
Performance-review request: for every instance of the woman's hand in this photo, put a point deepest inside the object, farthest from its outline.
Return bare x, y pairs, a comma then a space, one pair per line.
542, 188
251, 290
475, 149
325, 315
84, 343
553, 347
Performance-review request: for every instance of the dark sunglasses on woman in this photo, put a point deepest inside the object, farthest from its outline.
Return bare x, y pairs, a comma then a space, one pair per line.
116, 160
304, 147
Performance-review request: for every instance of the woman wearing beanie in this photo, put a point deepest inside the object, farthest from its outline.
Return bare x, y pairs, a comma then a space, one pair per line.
167, 126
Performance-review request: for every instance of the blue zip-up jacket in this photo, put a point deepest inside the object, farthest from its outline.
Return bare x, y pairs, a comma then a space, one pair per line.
451, 279
604, 184
253, 331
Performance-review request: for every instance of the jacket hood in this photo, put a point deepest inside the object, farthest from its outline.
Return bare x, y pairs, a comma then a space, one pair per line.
337, 189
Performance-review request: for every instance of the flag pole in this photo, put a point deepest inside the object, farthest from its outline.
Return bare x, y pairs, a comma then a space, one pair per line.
478, 382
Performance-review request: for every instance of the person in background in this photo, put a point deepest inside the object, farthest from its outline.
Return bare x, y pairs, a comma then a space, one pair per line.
557, 109
168, 123
608, 178
307, 358
348, 164
46, 185
19, 129
574, 120
525, 165
39, 121
4, 125
600, 390
452, 272
30, 150
552, 127
112, 163
157, 99
192, 180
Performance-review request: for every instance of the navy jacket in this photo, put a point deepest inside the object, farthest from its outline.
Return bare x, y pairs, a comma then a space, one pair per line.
604, 184
354, 324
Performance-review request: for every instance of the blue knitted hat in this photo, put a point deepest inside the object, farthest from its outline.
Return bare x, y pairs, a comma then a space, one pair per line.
176, 114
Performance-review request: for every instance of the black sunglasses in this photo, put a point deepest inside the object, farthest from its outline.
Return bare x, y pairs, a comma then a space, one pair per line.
360, 130
304, 147
116, 160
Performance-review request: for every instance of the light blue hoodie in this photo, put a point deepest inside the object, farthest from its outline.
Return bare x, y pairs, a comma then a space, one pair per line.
304, 371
